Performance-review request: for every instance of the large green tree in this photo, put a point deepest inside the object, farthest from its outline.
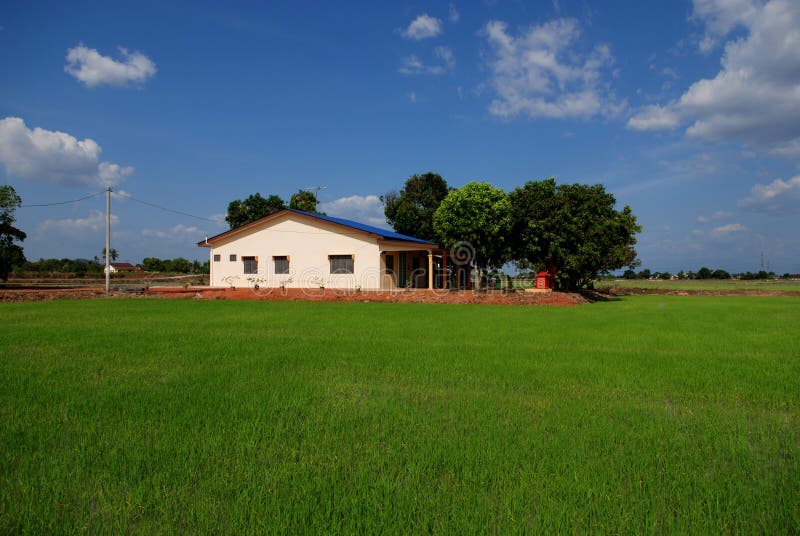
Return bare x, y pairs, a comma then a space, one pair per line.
476, 217
10, 253
305, 201
574, 227
241, 212
411, 210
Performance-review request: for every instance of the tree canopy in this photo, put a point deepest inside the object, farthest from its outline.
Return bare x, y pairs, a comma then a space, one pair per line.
305, 201
411, 210
241, 212
573, 227
477, 215
10, 253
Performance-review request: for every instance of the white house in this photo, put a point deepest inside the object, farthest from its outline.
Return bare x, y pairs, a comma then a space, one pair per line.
115, 267
300, 249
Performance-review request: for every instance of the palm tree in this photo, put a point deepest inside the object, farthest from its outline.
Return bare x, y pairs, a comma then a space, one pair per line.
114, 255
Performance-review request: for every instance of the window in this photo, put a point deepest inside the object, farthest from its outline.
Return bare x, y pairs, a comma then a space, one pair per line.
217, 257
389, 264
233, 257
341, 264
250, 265
281, 264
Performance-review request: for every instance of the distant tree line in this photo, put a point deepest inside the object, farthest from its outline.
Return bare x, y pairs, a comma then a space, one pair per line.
178, 265
82, 267
79, 267
702, 273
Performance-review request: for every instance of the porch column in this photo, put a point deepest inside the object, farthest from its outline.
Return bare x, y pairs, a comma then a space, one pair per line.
445, 279
430, 270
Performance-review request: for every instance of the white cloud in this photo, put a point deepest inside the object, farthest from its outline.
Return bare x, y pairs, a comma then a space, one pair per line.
778, 196
366, 209
453, 14
755, 97
423, 27
724, 231
95, 222
654, 118
55, 157
179, 232
94, 69
718, 215
540, 73
412, 97
720, 17
412, 65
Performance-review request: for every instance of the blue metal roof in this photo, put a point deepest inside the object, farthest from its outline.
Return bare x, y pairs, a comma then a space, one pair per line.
389, 235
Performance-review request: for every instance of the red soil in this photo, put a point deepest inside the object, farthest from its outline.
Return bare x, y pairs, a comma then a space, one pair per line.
338, 295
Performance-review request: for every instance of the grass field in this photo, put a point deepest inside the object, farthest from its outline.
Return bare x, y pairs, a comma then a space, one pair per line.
703, 284
648, 414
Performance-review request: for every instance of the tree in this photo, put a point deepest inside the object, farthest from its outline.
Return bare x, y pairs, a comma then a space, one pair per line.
152, 264
411, 211
704, 273
573, 227
720, 274
305, 201
477, 215
241, 212
629, 274
11, 254
113, 255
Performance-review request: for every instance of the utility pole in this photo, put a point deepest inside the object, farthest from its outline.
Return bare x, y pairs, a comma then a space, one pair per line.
108, 239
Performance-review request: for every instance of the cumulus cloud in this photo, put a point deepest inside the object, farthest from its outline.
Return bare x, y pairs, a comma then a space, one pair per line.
95, 222
724, 231
540, 73
94, 69
755, 97
414, 65
363, 208
720, 18
55, 157
423, 27
778, 196
654, 118
179, 232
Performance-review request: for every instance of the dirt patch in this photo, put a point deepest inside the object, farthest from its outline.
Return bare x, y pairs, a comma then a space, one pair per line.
617, 291
400, 296
46, 294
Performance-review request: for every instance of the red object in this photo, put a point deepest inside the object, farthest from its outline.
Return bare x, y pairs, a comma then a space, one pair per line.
544, 280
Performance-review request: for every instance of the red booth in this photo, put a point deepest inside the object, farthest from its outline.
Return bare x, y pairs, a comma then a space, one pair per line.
544, 280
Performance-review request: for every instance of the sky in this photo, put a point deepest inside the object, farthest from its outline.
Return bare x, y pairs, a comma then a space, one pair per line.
688, 111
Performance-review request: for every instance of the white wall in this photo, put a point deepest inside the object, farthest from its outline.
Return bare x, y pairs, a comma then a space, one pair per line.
307, 243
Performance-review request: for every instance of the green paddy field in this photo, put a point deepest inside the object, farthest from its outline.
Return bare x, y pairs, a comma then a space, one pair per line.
649, 414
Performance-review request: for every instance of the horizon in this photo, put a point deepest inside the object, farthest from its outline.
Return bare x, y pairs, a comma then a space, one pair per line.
688, 112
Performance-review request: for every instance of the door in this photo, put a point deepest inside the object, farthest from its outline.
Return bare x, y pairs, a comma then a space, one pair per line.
401, 270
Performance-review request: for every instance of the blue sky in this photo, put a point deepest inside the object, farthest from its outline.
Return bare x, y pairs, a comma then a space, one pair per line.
687, 111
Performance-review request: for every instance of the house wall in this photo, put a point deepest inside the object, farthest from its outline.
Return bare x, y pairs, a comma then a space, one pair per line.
307, 243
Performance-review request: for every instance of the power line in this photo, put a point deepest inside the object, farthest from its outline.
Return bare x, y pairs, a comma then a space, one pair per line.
128, 196
64, 202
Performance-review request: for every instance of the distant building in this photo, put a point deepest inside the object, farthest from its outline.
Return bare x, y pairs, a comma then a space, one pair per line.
115, 267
